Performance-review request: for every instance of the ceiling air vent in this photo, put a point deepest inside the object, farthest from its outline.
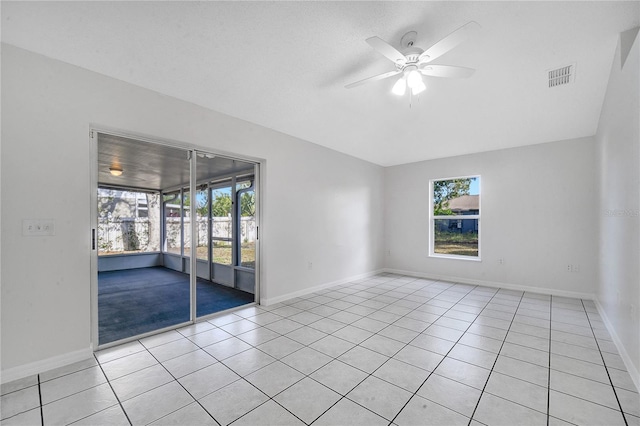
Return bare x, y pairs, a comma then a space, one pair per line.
561, 76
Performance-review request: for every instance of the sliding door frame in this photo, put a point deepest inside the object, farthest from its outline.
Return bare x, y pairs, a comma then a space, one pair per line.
192, 149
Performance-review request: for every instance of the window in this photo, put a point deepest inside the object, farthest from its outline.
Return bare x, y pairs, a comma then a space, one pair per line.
455, 218
128, 222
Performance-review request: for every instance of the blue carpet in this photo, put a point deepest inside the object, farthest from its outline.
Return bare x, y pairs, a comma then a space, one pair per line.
136, 301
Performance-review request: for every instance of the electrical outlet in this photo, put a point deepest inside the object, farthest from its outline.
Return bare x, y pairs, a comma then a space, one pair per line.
569, 268
310, 266
501, 261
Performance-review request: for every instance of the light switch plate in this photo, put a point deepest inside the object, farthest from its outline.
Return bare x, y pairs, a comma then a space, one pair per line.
38, 227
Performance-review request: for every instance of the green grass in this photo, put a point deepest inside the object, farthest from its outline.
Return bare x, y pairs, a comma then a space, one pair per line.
222, 253
456, 243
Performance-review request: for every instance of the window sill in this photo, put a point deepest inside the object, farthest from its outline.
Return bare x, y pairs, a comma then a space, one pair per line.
132, 253
454, 257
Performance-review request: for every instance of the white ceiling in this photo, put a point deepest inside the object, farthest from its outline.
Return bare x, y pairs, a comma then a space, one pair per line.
284, 65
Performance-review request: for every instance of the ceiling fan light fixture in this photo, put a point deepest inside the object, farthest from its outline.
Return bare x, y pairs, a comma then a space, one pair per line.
400, 87
418, 88
414, 62
414, 78
115, 170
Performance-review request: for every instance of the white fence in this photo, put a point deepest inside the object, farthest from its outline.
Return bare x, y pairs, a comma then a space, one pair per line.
133, 234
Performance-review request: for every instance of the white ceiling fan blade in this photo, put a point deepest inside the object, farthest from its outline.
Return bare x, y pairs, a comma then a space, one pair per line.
448, 71
449, 42
374, 78
386, 49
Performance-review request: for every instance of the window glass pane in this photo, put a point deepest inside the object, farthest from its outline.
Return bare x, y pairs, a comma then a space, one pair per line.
456, 237
186, 222
456, 197
128, 222
248, 229
242, 184
455, 200
202, 213
222, 226
222, 252
172, 223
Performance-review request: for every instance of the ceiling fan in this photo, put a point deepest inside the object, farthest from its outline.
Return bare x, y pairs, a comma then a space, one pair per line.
413, 62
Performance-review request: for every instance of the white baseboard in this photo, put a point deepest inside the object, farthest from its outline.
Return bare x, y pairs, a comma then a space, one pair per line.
493, 284
37, 367
304, 292
631, 368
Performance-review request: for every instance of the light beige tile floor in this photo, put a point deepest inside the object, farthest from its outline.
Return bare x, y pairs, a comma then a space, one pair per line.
388, 350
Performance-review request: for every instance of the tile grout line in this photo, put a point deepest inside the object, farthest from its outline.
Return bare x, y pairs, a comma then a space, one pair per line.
232, 335
41, 405
112, 390
355, 345
345, 324
371, 374
242, 377
220, 361
513, 320
270, 399
445, 356
40, 400
375, 310
406, 315
178, 382
606, 368
496, 360
336, 359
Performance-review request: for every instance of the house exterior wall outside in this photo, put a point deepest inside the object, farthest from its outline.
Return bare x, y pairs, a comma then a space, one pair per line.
618, 139
458, 225
47, 110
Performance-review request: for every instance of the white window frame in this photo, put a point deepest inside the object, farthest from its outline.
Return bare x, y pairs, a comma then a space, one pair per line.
433, 218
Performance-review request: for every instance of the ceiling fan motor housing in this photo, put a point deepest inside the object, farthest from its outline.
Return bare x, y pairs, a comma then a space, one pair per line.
412, 55
410, 52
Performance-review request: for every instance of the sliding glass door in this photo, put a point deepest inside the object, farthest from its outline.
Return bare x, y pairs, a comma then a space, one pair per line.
174, 236
141, 286
221, 232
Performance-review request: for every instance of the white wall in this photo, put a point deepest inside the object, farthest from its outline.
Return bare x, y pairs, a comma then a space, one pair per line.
619, 154
47, 109
538, 208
